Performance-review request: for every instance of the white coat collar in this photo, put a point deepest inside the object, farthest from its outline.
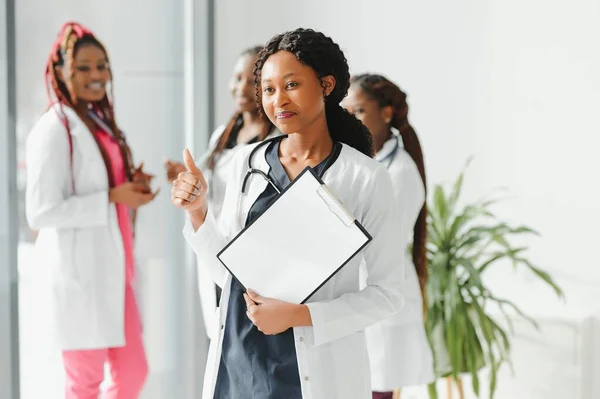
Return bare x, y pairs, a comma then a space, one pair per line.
257, 184
388, 147
76, 124
259, 161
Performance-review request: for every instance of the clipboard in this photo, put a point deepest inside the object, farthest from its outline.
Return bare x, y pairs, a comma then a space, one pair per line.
297, 244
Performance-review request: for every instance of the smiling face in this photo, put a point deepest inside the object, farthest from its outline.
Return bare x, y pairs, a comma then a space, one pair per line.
293, 96
242, 84
91, 73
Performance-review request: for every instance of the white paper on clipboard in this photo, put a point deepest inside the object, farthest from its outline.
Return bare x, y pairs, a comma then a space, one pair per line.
297, 244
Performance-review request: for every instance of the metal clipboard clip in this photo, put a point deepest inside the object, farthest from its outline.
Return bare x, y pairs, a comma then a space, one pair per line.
335, 205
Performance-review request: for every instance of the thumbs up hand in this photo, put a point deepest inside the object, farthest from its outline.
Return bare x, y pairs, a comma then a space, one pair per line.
189, 188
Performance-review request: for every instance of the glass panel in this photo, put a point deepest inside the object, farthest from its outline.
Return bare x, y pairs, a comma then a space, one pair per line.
9, 333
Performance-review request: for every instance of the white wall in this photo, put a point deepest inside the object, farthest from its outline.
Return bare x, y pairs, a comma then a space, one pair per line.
514, 83
145, 41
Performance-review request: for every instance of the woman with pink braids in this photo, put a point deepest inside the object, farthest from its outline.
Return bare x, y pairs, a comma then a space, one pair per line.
82, 194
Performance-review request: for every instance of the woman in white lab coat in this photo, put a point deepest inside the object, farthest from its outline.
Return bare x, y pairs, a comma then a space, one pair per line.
81, 188
398, 347
266, 348
245, 127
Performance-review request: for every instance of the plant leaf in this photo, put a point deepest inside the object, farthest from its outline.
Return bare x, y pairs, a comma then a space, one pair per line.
510, 253
524, 230
474, 278
493, 378
488, 329
495, 257
441, 207
457, 187
504, 345
511, 326
456, 190
468, 242
432, 390
463, 243
544, 276
472, 354
434, 236
506, 302
469, 213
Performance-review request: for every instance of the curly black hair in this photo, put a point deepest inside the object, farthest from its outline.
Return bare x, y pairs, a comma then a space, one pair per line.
325, 57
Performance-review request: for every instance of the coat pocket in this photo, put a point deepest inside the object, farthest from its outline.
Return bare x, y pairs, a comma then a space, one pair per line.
66, 265
351, 362
78, 254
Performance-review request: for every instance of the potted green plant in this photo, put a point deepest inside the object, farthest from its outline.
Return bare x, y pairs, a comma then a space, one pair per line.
464, 242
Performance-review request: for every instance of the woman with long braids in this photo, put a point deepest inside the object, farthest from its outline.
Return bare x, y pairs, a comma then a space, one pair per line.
267, 348
82, 192
398, 347
246, 126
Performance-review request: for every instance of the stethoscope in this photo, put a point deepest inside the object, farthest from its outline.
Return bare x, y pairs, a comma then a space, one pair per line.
252, 170
100, 122
265, 176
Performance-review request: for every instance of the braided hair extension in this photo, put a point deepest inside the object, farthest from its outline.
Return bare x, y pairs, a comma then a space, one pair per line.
72, 37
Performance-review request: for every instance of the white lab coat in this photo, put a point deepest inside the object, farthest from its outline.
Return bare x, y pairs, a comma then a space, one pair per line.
398, 347
79, 237
332, 355
216, 180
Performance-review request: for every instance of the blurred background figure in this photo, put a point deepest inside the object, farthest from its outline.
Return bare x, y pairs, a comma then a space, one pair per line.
246, 126
398, 348
82, 193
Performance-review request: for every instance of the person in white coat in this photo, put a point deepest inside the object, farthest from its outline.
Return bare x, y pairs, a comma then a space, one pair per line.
398, 347
264, 347
245, 127
81, 190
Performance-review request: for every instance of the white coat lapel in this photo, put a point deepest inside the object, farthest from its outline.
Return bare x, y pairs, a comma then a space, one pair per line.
85, 144
388, 149
89, 154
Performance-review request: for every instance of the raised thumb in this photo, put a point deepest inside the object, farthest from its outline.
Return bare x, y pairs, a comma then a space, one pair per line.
189, 163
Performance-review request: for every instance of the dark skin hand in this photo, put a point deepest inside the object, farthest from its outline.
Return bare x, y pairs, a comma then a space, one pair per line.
143, 178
